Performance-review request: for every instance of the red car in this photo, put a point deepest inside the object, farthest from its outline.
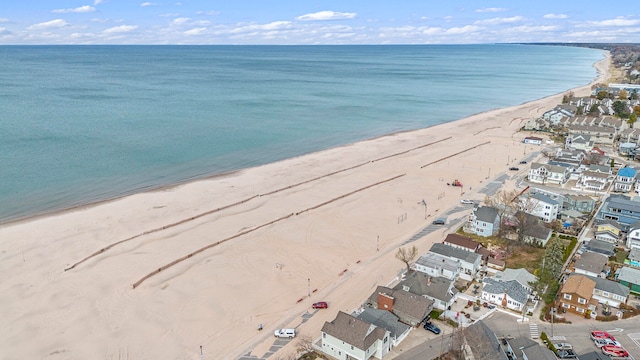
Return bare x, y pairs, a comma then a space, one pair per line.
320, 305
615, 351
598, 334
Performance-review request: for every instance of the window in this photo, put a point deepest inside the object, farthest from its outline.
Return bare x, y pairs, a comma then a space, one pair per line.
565, 305
567, 296
605, 294
582, 301
580, 310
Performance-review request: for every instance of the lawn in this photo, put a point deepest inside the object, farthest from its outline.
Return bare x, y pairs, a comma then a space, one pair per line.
525, 256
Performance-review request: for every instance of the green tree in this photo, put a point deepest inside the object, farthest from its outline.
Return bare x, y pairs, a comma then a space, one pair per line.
554, 258
602, 94
620, 108
566, 98
632, 119
634, 95
593, 109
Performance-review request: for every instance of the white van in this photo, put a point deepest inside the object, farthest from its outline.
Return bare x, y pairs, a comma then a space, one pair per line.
285, 333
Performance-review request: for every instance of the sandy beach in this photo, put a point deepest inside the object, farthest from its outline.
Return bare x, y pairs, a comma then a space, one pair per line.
256, 247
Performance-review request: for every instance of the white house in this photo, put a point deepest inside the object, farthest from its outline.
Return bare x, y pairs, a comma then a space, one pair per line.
541, 206
347, 337
522, 276
533, 140
548, 174
593, 181
437, 265
579, 142
633, 236
483, 221
509, 294
625, 179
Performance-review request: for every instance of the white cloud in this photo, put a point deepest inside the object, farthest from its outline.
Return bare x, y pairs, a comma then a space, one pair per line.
4, 20
555, 16
210, 13
614, 22
462, 30
53, 24
81, 9
276, 25
531, 29
147, 3
195, 31
4, 31
120, 29
486, 10
97, 2
180, 21
326, 15
499, 20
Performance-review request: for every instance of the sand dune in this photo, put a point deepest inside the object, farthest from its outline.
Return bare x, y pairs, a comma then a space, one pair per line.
327, 223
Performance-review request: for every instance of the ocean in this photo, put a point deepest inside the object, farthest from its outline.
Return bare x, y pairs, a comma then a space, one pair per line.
82, 124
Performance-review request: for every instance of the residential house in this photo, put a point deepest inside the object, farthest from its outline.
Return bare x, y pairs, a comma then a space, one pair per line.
582, 203
470, 262
630, 278
438, 289
630, 136
625, 180
633, 259
522, 276
609, 292
591, 264
385, 320
594, 355
601, 247
436, 265
579, 142
536, 234
482, 342
556, 116
548, 174
461, 242
483, 221
576, 295
533, 140
621, 209
573, 157
633, 236
509, 294
347, 337
410, 308
627, 149
593, 181
541, 206
608, 230
602, 135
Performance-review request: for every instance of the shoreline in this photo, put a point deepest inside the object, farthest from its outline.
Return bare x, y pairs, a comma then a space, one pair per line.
342, 247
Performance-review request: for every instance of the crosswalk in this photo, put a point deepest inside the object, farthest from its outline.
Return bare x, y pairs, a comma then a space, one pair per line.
533, 329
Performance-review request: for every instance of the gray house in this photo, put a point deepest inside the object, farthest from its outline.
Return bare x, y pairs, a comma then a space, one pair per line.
347, 337
410, 308
600, 246
582, 203
384, 319
591, 264
470, 262
438, 289
483, 221
436, 265
509, 294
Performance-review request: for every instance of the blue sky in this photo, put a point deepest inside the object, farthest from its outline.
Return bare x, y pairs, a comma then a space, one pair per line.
316, 22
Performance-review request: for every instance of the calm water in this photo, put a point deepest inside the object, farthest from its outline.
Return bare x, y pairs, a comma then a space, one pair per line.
80, 124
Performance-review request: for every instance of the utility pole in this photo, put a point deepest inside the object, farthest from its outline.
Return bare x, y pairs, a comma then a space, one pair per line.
378, 244
309, 286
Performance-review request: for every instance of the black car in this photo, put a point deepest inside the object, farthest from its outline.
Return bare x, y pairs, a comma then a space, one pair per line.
513, 168
429, 326
567, 354
523, 162
439, 222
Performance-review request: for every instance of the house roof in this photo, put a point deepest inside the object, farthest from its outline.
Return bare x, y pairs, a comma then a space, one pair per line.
627, 172
580, 285
461, 240
384, 319
634, 254
353, 331
520, 275
594, 355
483, 342
609, 222
512, 287
599, 168
634, 226
623, 203
518, 344
404, 302
601, 246
537, 231
436, 287
437, 261
452, 252
543, 198
595, 174
486, 213
550, 167
591, 262
610, 286
628, 274
538, 352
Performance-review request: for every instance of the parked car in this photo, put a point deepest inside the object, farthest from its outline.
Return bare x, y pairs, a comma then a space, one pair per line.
606, 342
563, 346
285, 333
523, 162
320, 305
513, 168
431, 327
599, 334
467, 201
439, 221
615, 351
566, 354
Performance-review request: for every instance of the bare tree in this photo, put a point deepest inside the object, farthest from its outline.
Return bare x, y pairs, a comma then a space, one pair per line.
304, 344
503, 202
525, 221
407, 256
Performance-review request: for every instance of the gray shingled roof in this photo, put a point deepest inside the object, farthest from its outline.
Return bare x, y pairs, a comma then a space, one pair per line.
623, 204
537, 231
385, 320
610, 286
450, 251
487, 214
634, 255
483, 342
543, 198
538, 352
592, 262
601, 247
404, 302
423, 284
436, 261
353, 331
629, 275
520, 275
513, 288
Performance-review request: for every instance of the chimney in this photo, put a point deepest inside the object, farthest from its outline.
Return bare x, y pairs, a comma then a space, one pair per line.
385, 302
429, 281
